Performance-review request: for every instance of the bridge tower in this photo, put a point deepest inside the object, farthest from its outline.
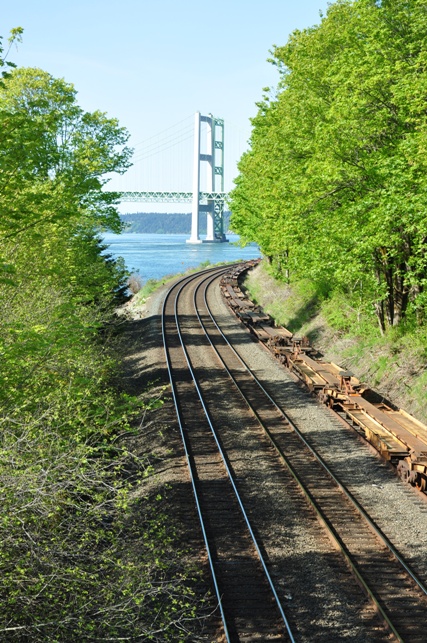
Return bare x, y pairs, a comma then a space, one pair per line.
214, 157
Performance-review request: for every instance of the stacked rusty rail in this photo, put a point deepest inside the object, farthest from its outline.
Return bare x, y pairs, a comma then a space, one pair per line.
226, 442
371, 557
399, 438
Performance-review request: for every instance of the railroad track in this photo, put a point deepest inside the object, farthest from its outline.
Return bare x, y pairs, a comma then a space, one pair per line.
246, 595
236, 542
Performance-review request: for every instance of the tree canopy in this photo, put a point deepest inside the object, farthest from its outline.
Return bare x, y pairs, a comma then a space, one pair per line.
334, 184
67, 572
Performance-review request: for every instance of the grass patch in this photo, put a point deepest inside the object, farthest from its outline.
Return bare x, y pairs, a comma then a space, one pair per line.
292, 308
152, 285
149, 287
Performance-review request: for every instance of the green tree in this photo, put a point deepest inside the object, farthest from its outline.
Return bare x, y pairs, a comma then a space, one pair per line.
334, 184
15, 37
80, 558
55, 156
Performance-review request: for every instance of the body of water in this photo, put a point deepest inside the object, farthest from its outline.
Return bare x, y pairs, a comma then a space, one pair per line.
154, 256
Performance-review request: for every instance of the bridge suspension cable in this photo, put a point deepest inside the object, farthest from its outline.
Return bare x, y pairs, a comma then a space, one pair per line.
207, 195
162, 147
162, 159
160, 142
157, 134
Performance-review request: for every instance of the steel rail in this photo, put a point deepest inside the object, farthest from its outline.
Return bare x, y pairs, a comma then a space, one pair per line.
344, 489
383, 538
325, 521
229, 472
348, 493
188, 457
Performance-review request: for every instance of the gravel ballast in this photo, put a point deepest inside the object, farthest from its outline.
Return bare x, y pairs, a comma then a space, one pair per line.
399, 511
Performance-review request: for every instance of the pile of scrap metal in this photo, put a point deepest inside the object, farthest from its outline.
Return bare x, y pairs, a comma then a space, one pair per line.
400, 438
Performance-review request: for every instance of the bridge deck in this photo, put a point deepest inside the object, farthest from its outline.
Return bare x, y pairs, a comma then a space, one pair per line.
171, 197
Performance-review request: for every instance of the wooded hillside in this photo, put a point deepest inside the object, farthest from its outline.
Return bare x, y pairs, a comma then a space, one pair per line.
334, 186
79, 559
164, 222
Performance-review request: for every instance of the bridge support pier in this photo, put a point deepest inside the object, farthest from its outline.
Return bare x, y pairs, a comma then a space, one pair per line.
215, 207
194, 238
212, 200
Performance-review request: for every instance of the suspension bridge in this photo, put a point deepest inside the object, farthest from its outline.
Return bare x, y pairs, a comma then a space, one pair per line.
209, 199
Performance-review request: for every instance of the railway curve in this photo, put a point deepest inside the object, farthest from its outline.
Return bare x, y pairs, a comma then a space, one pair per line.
248, 444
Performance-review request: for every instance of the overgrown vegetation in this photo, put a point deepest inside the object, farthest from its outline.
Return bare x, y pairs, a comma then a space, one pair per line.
151, 285
394, 364
333, 188
80, 558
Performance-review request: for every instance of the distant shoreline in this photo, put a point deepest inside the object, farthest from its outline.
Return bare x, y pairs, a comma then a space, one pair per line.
201, 232
164, 223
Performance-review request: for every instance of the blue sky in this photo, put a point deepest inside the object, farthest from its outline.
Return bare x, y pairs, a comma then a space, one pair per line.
153, 64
